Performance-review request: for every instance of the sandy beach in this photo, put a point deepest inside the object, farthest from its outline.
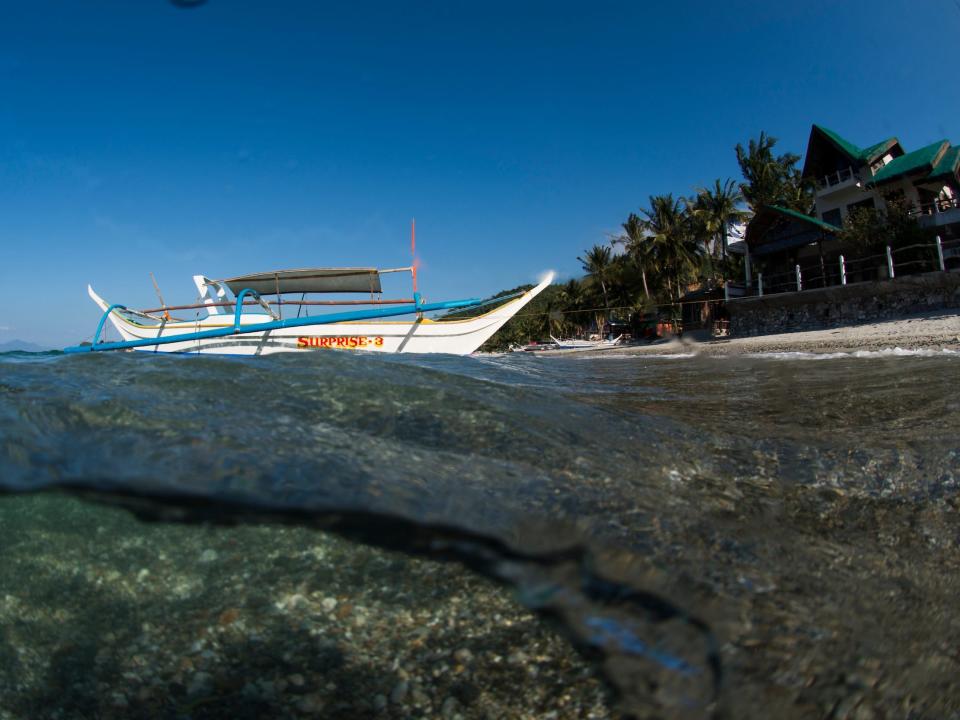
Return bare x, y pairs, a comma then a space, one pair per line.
933, 330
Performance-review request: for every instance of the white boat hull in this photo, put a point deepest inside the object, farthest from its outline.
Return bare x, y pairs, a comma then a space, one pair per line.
455, 337
586, 344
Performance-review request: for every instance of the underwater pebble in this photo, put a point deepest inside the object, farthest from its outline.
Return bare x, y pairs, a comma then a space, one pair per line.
399, 692
449, 708
296, 680
200, 684
310, 704
517, 658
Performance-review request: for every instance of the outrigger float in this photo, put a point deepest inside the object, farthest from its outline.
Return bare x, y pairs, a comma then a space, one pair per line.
222, 327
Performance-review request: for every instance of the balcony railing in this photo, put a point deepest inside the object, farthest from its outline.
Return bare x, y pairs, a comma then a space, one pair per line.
840, 177
935, 207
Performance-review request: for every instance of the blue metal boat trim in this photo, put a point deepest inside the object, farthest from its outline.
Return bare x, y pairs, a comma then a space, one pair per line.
491, 301
239, 310
103, 319
237, 329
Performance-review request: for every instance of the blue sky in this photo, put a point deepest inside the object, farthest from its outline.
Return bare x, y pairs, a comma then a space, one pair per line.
246, 135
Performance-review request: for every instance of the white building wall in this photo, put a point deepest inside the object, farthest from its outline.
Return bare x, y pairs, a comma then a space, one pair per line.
844, 195
909, 191
841, 199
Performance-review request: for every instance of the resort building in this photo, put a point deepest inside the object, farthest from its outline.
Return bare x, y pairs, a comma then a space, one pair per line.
847, 176
788, 246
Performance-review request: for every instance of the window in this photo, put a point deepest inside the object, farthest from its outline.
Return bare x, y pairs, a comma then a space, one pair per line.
894, 197
868, 203
833, 217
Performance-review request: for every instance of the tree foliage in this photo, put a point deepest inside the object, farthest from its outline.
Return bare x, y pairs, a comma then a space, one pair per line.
718, 208
597, 263
674, 246
868, 231
770, 179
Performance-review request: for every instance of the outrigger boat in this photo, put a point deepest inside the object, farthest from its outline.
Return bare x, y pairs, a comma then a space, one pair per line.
221, 326
586, 344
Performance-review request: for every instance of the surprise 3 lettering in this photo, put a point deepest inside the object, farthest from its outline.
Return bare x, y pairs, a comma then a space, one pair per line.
346, 342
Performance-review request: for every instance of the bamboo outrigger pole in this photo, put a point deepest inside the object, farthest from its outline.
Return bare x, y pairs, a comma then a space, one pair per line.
163, 305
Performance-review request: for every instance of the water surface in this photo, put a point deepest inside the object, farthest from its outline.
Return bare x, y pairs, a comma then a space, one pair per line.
731, 537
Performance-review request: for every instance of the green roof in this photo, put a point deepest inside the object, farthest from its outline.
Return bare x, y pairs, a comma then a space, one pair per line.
855, 152
875, 151
845, 145
948, 164
922, 159
806, 218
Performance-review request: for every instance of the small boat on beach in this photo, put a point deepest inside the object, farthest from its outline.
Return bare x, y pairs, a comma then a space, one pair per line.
221, 326
585, 344
535, 346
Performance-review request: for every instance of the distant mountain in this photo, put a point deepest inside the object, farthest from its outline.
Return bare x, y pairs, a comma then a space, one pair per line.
21, 346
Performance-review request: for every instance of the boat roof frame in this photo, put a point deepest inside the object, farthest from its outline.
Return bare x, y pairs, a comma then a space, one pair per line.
312, 280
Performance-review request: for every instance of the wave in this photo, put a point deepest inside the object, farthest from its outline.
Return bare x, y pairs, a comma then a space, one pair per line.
859, 354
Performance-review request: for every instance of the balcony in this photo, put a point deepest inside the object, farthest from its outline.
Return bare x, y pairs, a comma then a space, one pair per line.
937, 213
834, 182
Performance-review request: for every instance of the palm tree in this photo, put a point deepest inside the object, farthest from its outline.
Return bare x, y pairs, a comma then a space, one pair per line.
626, 286
770, 179
596, 263
572, 300
669, 227
638, 246
718, 208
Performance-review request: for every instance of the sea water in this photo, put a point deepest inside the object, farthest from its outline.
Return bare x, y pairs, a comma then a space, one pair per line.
347, 535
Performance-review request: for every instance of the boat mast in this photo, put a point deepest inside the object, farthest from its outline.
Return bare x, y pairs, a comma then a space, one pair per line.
413, 264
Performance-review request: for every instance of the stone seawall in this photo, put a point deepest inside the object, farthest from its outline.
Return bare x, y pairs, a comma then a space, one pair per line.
844, 304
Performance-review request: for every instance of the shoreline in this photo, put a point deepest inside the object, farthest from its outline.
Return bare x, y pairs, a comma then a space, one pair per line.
930, 330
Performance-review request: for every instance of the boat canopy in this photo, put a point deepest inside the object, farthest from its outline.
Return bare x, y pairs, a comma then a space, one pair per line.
309, 280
